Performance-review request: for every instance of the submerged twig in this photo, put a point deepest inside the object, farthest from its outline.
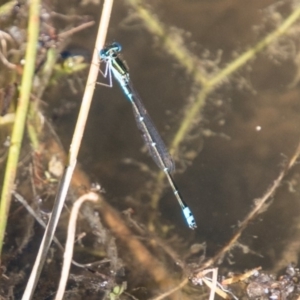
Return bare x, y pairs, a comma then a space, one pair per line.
257, 209
67, 33
168, 293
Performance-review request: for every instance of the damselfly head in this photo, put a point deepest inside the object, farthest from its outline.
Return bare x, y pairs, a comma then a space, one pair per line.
110, 50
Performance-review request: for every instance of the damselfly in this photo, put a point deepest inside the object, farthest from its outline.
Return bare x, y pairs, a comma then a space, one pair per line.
152, 139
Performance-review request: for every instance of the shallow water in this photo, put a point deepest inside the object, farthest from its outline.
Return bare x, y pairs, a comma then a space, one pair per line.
241, 138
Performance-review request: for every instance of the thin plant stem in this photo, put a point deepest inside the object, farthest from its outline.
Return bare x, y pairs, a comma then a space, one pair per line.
68, 254
20, 119
72, 157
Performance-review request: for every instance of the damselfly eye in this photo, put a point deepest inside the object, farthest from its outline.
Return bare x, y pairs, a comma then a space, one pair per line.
103, 53
116, 46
